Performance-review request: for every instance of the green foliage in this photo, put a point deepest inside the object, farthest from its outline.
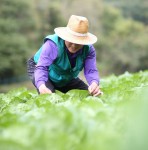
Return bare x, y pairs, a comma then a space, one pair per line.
123, 46
122, 42
16, 27
76, 120
136, 9
55, 18
110, 17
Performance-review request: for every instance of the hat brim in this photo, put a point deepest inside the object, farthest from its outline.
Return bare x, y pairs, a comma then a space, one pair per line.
82, 40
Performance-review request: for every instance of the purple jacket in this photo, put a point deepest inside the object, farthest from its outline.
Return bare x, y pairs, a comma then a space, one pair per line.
49, 54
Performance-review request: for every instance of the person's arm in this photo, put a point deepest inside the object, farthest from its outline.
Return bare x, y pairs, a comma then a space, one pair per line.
47, 56
91, 72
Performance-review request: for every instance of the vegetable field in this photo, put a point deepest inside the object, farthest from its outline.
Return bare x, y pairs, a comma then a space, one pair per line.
116, 120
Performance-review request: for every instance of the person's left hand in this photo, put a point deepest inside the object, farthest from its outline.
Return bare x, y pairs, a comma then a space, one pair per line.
94, 89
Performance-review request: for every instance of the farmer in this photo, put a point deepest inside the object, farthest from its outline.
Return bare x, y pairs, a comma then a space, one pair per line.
56, 65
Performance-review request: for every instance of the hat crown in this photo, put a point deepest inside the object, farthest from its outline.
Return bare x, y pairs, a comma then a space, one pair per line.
78, 24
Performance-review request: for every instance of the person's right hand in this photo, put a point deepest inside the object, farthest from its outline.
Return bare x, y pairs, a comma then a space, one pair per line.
44, 90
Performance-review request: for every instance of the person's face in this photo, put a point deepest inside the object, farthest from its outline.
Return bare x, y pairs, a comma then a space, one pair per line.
72, 47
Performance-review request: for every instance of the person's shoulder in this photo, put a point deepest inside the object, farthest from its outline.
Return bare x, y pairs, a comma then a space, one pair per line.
92, 48
50, 48
50, 43
89, 47
49, 40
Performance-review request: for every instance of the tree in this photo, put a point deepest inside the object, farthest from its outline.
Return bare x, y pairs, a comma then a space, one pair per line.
136, 9
16, 31
123, 45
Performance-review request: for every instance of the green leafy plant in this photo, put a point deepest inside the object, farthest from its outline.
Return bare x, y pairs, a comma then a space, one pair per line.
76, 120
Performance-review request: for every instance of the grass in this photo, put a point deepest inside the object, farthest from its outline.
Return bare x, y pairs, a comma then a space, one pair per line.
7, 87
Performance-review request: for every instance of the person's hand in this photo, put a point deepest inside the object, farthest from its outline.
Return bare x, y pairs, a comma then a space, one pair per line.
94, 89
44, 90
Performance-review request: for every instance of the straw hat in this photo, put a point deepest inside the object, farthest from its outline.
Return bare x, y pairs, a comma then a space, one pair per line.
76, 31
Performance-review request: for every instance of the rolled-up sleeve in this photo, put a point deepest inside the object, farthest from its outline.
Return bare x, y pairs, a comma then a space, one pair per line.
90, 68
48, 55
